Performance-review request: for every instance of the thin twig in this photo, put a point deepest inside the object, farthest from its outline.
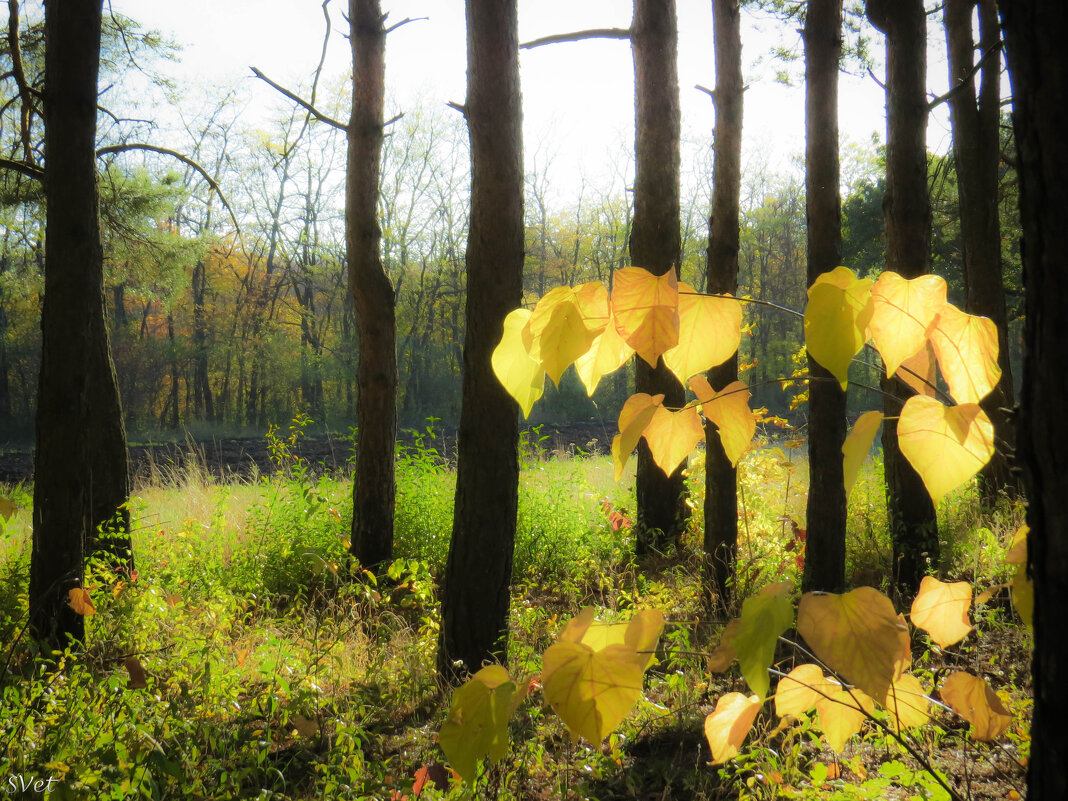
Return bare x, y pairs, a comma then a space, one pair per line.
578, 36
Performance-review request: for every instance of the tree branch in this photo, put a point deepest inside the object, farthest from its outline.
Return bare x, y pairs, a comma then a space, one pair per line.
182, 158
300, 101
578, 36
404, 21
967, 79
23, 168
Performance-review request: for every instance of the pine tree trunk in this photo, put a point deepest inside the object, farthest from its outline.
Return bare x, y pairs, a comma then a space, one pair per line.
655, 242
826, 510
72, 321
721, 276
374, 488
976, 150
479, 569
907, 208
1035, 34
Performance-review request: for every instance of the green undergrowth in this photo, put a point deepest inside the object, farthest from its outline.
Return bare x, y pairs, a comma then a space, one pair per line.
274, 669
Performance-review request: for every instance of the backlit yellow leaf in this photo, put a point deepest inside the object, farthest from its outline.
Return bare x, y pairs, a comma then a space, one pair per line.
591, 691
641, 633
842, 714
967, 350
903, 310
724, 654
765, 616
946, 445
556, 333
1017, 554
918, 371
729, 410
907, 703
941, 610
633, 418
857, 444
710, 330
836, 319
645, 309
513, 365
800, 690
592, 301
477, 726
80, 601
858, 635
672, 436
7, 508
728, 726
607, 353
972, 699
1023, 595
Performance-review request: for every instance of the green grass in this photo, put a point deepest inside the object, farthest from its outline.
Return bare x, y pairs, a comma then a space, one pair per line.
275, 671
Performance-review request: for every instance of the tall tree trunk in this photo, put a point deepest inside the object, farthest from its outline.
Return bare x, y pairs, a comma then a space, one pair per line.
479, 568
976, 150
910, 511
374, 488
655, 241
68, 490
721, 276
1035, 34
826, 511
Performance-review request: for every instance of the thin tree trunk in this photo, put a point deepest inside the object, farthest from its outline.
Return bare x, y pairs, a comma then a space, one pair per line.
74, 342
721, 275
826, 510
655, 242
976, 149
374, 488
479, 568
907, 208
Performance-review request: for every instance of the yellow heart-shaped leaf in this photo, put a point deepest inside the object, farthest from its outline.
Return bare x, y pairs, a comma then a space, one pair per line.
635, 415
518, 372
729, 410
672, 436
941, 610
710, 330
902, 311
728, 726
972, 699
967, 350
856, 446
645, 308
946, 445
836, 320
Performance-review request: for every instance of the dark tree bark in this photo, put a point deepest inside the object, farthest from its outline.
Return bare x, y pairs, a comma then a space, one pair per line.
374, 488
77, 396
826, 510
1035, 35
976, 150
655, 241
479, 569
907, 208
721, 276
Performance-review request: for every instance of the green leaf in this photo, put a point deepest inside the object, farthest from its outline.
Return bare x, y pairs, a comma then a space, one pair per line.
477, 726
764, 617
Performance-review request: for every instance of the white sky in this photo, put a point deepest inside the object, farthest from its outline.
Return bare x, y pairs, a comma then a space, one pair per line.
578, 97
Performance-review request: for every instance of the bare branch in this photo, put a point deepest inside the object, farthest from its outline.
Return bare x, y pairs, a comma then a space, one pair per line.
876, 79
965, 81
404, 21
578, 36
23, 168
182, 158
457, 107
710, 92
19, 74
300, 101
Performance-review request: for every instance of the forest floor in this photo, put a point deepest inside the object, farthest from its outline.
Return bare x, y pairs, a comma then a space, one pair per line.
246, 660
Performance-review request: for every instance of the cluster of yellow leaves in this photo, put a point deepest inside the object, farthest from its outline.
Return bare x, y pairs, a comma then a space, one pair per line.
909, 322
592, 676
913, 328
655, 317
860, 637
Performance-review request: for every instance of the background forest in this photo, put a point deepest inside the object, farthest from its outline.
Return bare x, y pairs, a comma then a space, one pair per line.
220, 329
